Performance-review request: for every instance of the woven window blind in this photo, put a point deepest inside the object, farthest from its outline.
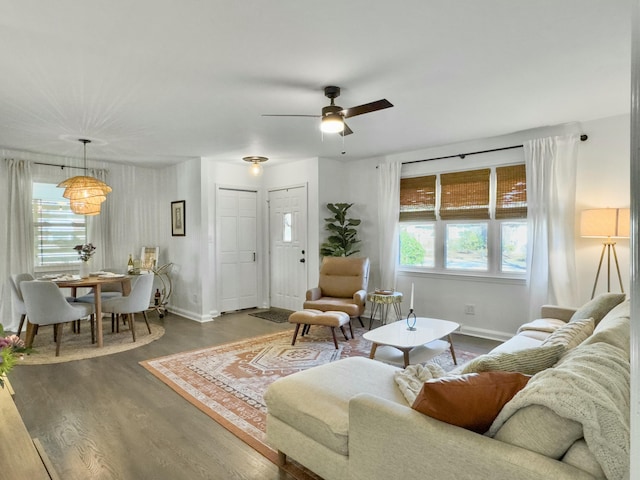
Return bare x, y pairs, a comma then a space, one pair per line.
511, 193
418, 198
465, 195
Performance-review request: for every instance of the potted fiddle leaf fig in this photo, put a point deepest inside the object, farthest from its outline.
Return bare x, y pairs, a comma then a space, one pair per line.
343, 236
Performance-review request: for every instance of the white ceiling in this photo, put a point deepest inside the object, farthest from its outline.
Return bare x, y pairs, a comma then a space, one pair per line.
158, 81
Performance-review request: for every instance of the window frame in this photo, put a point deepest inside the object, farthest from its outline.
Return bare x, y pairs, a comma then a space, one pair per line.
58, 266
494, 234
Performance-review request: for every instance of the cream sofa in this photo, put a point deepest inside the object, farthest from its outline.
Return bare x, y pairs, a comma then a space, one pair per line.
349, 420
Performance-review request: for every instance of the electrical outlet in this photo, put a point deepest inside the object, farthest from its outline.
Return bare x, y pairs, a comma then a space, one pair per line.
470, 309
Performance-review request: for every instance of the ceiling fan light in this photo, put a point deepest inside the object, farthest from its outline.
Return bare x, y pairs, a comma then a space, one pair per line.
332, 123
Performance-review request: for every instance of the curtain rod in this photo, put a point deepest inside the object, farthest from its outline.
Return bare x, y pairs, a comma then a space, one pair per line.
61, 166
583, 138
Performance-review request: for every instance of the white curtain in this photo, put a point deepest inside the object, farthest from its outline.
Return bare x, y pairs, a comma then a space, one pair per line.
551, 190
388, 213
97, 225
16, 240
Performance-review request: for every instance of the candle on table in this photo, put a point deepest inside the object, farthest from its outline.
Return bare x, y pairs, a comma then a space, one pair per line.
411, 304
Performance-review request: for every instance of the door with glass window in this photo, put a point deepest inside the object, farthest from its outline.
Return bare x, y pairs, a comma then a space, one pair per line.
287, 247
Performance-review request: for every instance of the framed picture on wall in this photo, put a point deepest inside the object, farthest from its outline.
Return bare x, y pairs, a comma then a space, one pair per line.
177, 218
149, 258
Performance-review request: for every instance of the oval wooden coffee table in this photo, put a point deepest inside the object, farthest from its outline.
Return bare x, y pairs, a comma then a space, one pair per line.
411, 346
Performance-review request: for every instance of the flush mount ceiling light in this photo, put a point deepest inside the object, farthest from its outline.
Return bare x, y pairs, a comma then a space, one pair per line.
85, 193
256, 167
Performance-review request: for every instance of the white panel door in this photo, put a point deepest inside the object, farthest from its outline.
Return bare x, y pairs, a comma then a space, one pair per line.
287, 247
236, 252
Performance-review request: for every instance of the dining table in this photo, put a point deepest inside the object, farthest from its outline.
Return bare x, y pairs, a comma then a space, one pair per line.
95, 283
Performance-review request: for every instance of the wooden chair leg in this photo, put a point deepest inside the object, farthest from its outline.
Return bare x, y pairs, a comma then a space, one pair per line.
335, 340
360, 320
305, 329
344, 333
351, 329
132, 324
295, 334
92, 319
31, 333
58, 332
22, 317
282, 458
146, 320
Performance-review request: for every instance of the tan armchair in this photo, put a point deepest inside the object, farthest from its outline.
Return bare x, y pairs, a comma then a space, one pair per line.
342, 286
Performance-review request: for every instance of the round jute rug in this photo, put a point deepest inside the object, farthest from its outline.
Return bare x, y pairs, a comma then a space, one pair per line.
78, 346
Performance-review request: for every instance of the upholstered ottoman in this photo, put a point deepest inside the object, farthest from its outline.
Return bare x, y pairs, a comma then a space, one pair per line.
330, 319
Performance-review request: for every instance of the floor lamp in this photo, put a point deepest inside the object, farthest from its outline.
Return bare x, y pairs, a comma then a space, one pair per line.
606, 223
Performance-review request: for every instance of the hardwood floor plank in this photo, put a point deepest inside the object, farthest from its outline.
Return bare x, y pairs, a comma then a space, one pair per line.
109, 418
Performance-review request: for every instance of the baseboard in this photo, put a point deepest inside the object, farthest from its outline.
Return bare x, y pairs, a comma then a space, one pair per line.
191, 315
484, 333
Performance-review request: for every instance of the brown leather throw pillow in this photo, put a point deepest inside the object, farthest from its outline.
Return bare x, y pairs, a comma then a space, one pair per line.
470, 401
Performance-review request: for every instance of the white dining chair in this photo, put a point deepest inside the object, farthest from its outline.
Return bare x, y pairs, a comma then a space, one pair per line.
136, 302
46, 305
16, 293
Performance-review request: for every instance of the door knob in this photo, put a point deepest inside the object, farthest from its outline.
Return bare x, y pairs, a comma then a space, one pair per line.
302, 260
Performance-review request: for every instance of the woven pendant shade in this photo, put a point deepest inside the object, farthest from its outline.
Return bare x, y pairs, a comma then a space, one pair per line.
85, 193
83, 208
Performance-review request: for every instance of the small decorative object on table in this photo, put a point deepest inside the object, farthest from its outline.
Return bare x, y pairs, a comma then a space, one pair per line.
10, 349
85, 252
411, 318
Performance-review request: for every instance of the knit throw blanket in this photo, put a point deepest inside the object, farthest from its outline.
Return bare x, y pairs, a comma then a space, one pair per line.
411, 379
590, 385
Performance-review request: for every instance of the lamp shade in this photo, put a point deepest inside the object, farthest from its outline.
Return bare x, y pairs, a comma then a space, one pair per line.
605, 222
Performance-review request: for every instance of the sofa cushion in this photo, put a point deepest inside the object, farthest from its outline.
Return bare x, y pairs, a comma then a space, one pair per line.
599, 306
548, 325
581, 457
310, 402
529, 361
614, 328
471, 401
571, 334
539, 429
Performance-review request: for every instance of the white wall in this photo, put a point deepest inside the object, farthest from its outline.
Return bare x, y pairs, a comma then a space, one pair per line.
603, 181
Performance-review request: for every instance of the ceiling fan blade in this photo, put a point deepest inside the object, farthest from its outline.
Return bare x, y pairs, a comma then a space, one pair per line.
288, 115
346, 131
367, 108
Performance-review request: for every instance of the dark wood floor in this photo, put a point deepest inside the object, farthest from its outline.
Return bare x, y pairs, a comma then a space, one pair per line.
108, 418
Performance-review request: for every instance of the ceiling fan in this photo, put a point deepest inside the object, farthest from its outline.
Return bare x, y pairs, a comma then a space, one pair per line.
332, 117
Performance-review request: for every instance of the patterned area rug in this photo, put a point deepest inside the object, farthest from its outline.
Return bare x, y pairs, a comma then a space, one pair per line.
277, 315
228, 381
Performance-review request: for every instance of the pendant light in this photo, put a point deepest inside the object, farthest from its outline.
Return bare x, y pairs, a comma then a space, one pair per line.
256, 168
85, 193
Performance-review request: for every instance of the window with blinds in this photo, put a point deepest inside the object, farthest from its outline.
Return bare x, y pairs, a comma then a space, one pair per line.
474, 220
465, 195
418, 198
56, 228
511, 192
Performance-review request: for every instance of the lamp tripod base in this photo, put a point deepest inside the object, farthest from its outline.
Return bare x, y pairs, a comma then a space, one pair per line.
608, 246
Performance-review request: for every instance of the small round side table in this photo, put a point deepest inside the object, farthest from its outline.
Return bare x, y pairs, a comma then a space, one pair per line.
381, 303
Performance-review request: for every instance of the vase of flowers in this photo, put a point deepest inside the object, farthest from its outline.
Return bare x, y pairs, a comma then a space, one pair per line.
11, 347
85, 252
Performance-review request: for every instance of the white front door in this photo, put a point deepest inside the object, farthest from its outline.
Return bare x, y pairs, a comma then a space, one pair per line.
287, 247
236, 252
